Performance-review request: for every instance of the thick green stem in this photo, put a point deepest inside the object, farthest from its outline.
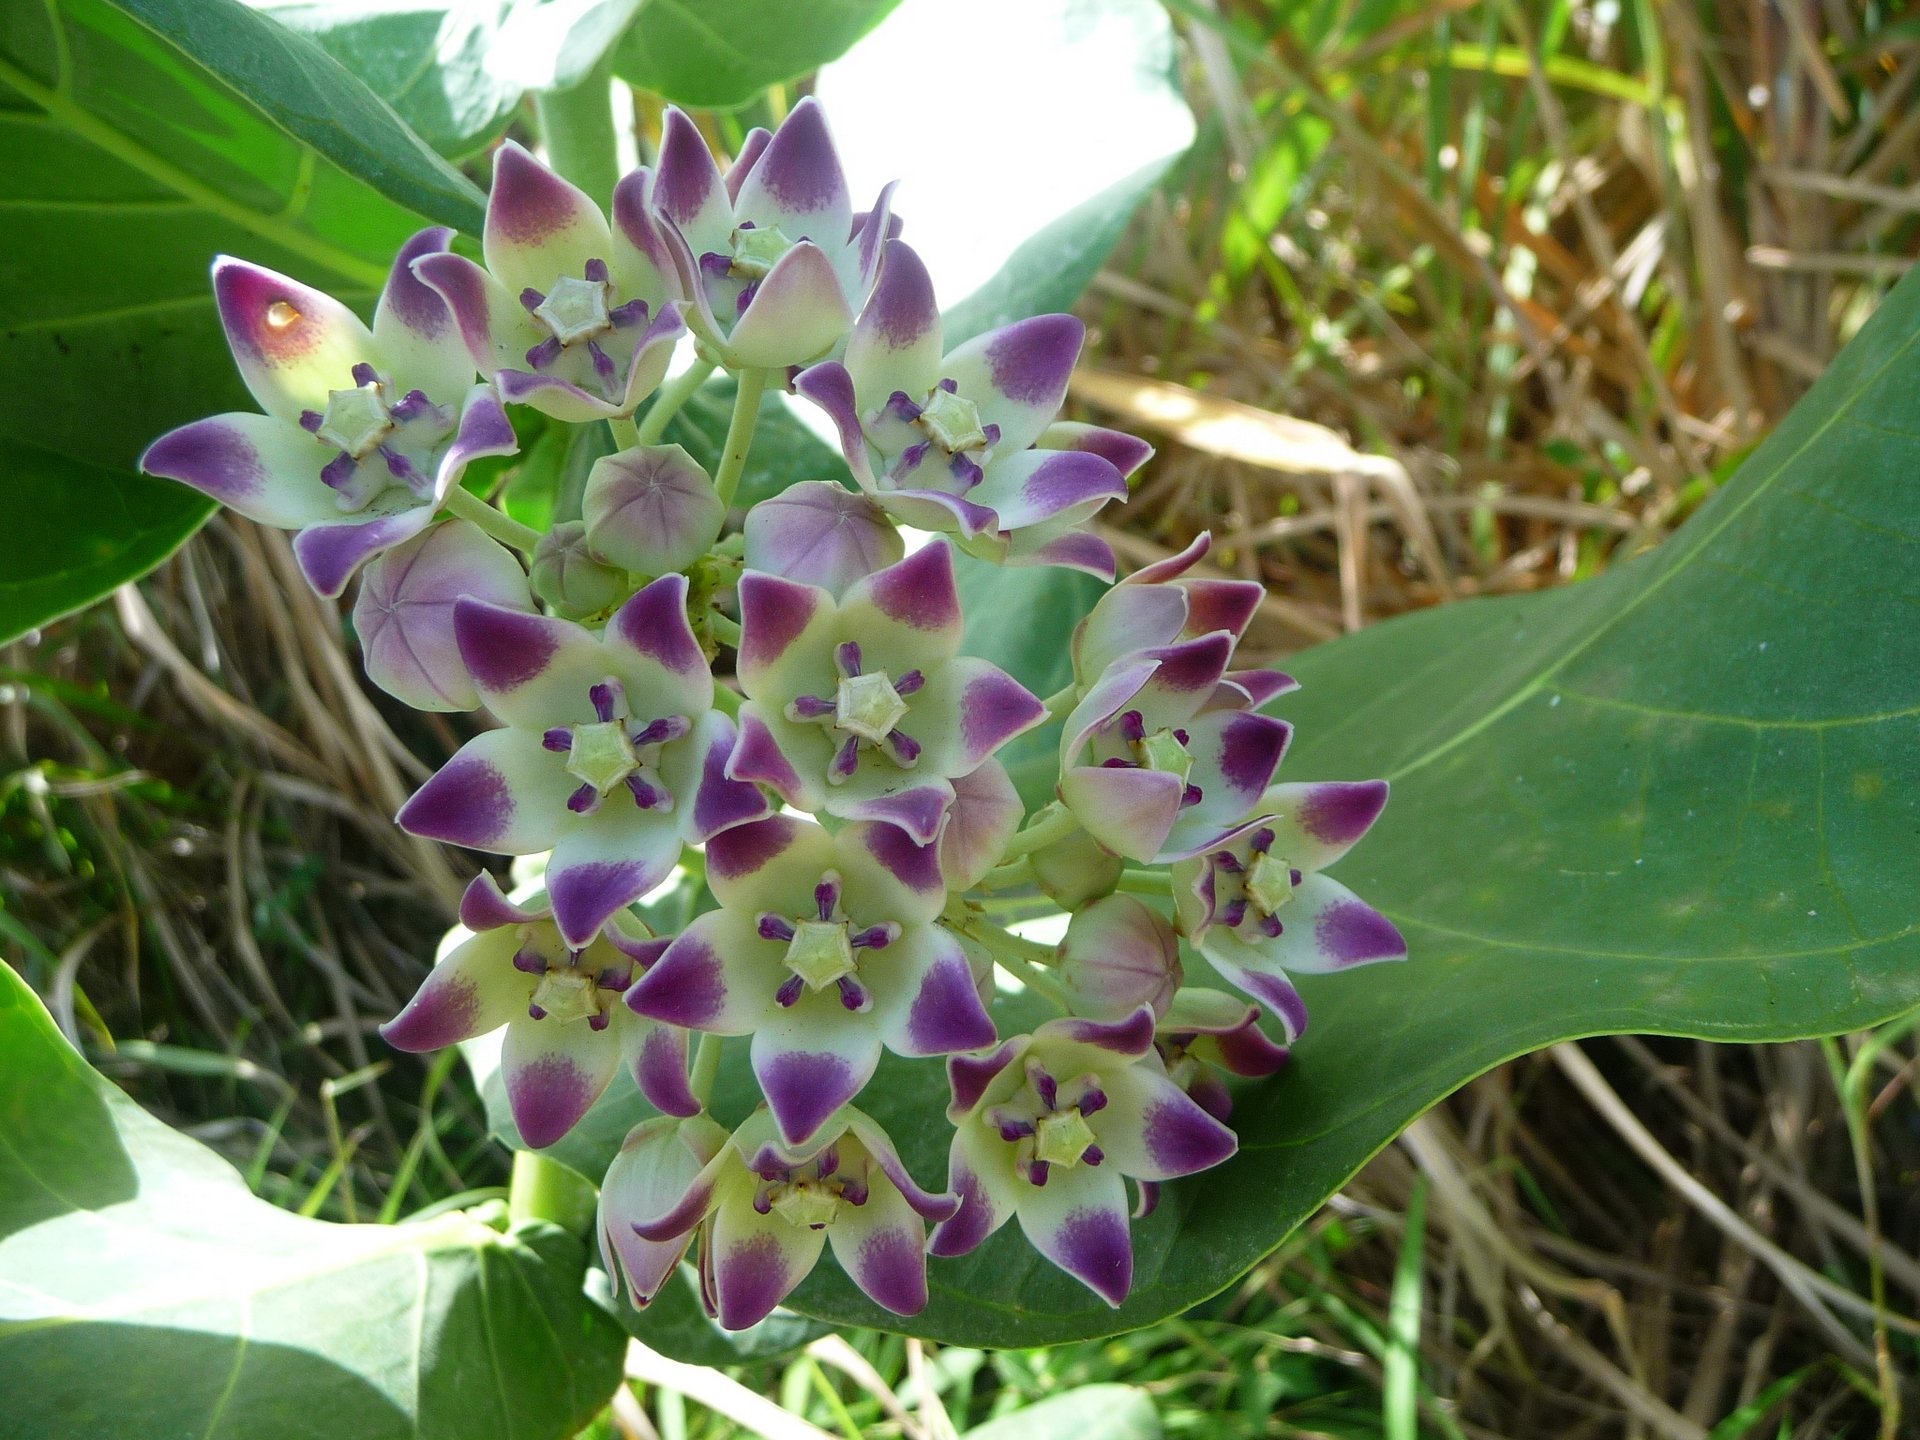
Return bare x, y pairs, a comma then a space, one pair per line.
706, 1065
1020, 958
1145, 882
504, 528
625, 434
666, 404
1014, 872
1061, 701
1052, 822
577, 126
724, 629
746, 414
543, 1189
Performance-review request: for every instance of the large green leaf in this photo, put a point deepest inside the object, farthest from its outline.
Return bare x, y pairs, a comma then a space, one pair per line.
78, 531
428, 60
721, 53
1683, 798
143, 1285
140, 140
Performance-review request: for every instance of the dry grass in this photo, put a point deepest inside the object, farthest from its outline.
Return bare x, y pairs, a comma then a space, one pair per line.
1405, 332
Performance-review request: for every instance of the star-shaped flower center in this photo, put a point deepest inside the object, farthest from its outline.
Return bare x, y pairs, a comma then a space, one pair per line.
1270, 882
1046, 1123
953, 423
864, 711
564, 989
609, 751
810, 1196
575, 309
757, 249
1250, 889
1164, 750
867, 705
356, 420
823, 947
594, 337
381, 444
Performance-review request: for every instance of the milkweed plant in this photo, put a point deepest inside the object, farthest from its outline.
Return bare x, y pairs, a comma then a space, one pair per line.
782, 703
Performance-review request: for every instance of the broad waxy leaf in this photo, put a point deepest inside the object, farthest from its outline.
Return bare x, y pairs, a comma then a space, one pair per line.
1682, 798
141, 139
142, 1283
717, 54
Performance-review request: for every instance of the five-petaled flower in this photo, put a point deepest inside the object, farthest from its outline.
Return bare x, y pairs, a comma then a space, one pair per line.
766, 1208
1258, 908
611, 756
365, 431
567, 1031
1046, 1126
570, 314
863, 707
824, 950
948, 441
770, 256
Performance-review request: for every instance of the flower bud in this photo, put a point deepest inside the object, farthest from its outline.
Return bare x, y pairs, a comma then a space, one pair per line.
1075, 870
651, 509
658, 1160
1120, 954
570, 577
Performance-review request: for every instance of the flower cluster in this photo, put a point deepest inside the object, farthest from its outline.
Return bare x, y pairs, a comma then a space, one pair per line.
836, 787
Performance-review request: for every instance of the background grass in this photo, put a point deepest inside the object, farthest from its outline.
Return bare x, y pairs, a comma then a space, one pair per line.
1450, 298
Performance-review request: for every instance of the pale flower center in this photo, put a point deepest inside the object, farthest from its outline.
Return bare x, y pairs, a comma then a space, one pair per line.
567, 995
952, 422
808, 1204
820, 952
1163, 750
1269, 883
1062, 1137
574, 309
757, 249
868, 706
602, 754
356, 420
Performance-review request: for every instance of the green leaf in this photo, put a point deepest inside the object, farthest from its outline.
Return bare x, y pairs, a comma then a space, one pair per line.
127, 164
1088, 113
140, 1277
676, 1324
717, 54
79, 530
429, 61
1093, 1412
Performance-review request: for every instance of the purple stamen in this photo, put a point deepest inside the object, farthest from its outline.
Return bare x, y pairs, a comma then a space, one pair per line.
1093, 1101
1234, 915
363, 374
1189, 796
529, 960
339, 472
559, 739
534, 1012
853, 995
1133, 726
583, 800
775, 927
847, 759
826, 895
1037, 1173
1116, 763
602, 697
853, 1192
1011, 1127
811, 707
1227, 861
965, 470
401, 468
602, 365
746, 298
875, 937
311, 420
1093, 1155
1044, 1085
909, 683
900, 405
599, 1020
763, 1202
827, 1162
992, 432
715, 264
644, 795
1181, 736
846, 659
952, 387
634, 312
904, 749
596, 271
545, 353
789, 992
1262, 841
910, 458
1294, 875
411, 408
532, 299
1271, 927
614, 978
663, 731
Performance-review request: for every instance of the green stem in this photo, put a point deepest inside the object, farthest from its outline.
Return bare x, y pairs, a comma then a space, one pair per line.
666, 404
1001, 877
746, 413
1053, 822
1021, 959
1145, 882
1061, 701
626, 435
543, 1189
706, 1065
726, 700
577, 125
724, 628
504, 528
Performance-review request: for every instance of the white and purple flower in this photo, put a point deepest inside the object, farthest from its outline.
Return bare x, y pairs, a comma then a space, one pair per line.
1119, 954
570, 315
1047, 1126
1207, 1035
958, 442
770, 257
365, 430
824, 950
863, 707
658, 1162
1257, 907
651, 509
612, 755
567, 1032
821, 534
765, 1209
